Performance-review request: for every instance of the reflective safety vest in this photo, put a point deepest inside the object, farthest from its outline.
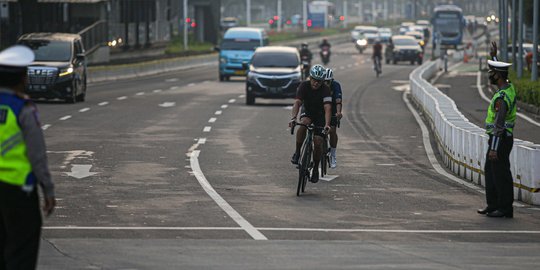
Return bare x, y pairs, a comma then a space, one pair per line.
15, 168
509, 96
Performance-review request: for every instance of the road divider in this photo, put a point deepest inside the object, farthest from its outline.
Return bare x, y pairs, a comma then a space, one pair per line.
463, 145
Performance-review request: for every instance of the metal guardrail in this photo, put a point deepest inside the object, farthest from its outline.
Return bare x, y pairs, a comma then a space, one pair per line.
94, 36
463, 145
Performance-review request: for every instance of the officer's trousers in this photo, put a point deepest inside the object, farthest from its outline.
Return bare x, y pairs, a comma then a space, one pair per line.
20, 228
499, 183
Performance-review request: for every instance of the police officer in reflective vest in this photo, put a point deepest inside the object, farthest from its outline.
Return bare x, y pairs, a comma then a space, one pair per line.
500, 121
23, 165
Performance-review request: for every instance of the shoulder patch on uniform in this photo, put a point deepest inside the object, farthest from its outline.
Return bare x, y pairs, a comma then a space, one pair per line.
3, 116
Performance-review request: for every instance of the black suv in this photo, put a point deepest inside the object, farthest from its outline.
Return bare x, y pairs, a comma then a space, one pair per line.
405, 48
59, 69
275, 72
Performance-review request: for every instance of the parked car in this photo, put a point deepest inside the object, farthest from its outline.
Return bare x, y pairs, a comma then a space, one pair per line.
236, 48
59, 68
404, 48
274, 72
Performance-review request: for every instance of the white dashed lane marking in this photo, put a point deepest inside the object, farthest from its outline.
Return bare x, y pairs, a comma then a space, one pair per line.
172, 80
103, 103
207, 129
212, 120
191, 84
218, 112
232, 100
140, 94
224, 106
201, 141
84, 110
121, 98
157, 90
45, 127
174, 88
65, 118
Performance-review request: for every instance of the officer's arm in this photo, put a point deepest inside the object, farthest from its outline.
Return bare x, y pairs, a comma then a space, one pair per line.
36, 151
499, 129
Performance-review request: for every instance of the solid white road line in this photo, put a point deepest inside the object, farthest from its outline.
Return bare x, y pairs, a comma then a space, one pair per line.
103, 103
212, 120
484, 97
241, 221
207, 129
429, 150
65, 118
149, 228
84, 110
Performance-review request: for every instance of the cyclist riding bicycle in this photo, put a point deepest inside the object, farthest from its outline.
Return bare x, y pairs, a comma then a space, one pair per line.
335, 89
316, 98
305, 53
377, 55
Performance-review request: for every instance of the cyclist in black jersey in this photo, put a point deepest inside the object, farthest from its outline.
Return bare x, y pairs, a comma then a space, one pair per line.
316, 98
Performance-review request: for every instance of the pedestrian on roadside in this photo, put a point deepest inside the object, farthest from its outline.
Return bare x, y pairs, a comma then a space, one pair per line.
500, 121
23, 165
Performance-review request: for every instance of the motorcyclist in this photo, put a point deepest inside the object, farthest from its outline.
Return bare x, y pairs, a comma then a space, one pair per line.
325, 46
306, 56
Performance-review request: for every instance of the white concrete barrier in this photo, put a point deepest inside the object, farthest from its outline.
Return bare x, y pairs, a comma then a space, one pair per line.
463, 145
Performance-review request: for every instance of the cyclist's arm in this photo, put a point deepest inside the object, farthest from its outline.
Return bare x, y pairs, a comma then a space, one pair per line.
296, 108
327, 100
337, 96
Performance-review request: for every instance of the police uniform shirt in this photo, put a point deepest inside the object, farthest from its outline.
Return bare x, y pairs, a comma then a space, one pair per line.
35, 145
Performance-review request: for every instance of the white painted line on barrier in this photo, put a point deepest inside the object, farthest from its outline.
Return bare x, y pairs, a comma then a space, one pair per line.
84, 110
121, 98
155, 228
212, 120
429, 150
484, 97
140, 94
207, 129
224, 106
65, 118
45, 127
241, 221
232, 100
218, 112
103, 103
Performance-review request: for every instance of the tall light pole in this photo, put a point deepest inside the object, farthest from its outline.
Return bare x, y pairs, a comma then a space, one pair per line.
185, 25
536, 21
346, 16
520, 40
279, 15
304, 15
248, 13
514, 36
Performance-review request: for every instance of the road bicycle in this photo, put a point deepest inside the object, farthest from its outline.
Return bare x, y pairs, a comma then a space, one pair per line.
377, 65
305, 161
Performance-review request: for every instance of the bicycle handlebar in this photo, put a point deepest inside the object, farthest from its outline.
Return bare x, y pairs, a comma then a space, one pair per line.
309, 127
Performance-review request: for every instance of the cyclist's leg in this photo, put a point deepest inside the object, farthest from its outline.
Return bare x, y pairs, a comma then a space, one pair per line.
333, 132
317, 148
300, 136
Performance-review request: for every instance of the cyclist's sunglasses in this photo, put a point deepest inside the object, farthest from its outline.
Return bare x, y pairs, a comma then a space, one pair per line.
317, 81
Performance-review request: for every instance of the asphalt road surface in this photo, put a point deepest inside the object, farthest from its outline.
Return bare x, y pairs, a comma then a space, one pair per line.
176, 172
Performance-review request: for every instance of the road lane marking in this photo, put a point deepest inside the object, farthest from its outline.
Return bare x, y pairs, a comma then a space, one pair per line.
45, 127
167, 104
191, 84
140, 94
212, 120
65, 118
224, 106
241, 96
218, 112
173, 88
157, 91
328, 177
484, 97
241, 221
80, 171
201, 141
386, 164
155, 228
103, 103
121, 98
207, 129
84, 110
232, 100
172, 80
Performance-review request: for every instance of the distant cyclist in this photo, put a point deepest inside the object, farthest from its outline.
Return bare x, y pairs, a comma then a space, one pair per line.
316, 98
377, 55
305, 56
335, 89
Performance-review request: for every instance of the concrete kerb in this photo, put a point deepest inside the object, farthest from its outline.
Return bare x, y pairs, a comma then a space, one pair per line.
128, 71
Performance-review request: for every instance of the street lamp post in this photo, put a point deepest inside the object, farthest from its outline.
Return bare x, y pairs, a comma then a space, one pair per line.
520, 40
279, 15
248, 13
304, 15
536, 21
185, 25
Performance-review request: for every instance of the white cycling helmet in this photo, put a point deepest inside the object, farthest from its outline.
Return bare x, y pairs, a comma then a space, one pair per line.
329, 75
317, 72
